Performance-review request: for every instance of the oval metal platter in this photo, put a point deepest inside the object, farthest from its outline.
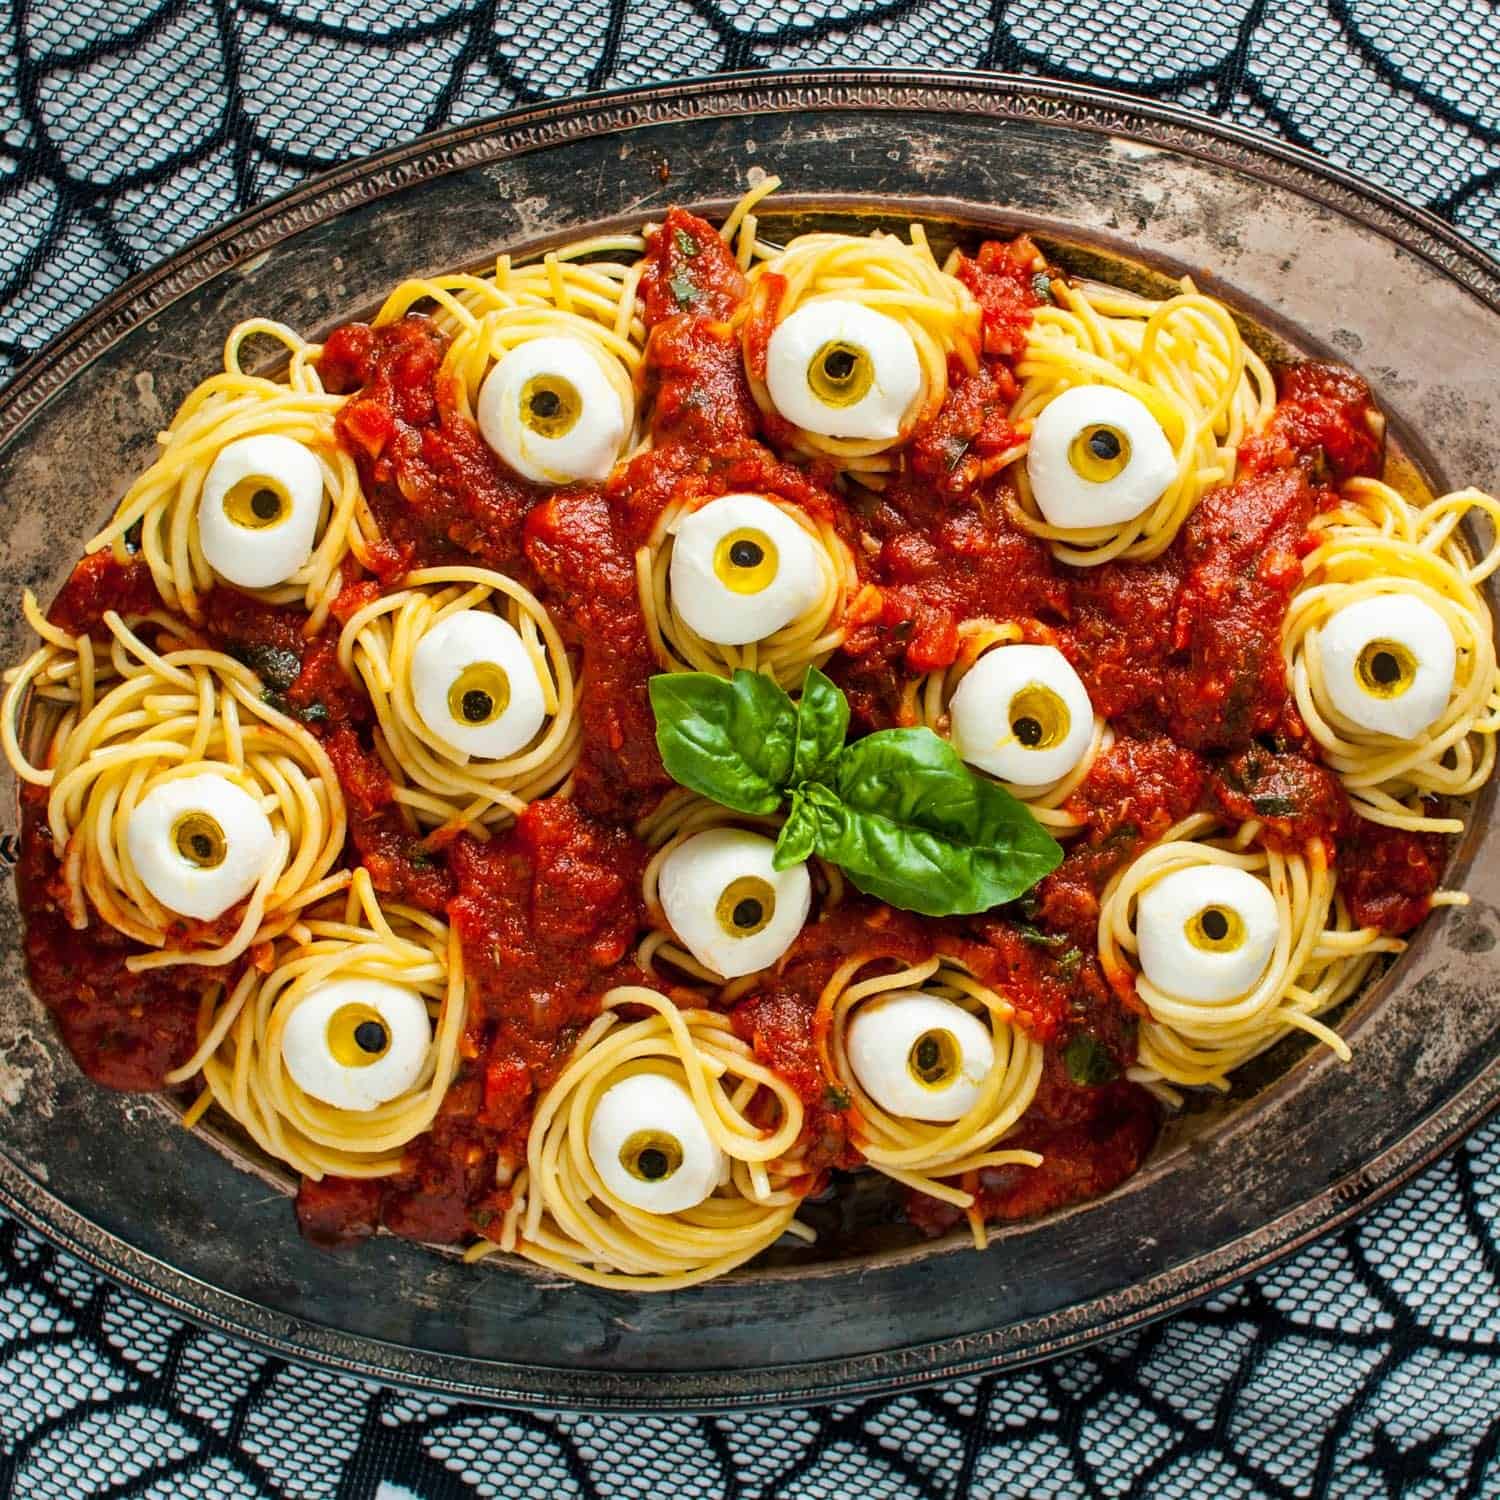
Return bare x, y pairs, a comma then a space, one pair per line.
1309, 257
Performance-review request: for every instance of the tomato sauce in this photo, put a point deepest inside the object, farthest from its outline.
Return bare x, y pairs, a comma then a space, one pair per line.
437, 490
125, 1030
1388, 875
1181, 653
689, 269
1296, 799
1325, 421
1090, 1140
99, 584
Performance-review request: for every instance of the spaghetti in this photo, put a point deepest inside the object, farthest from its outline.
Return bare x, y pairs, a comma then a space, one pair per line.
1320, 957
681, 815
929, 697
163, 504
441, 787
1185, 359
647, 1139
165, 715
580, 291
940, 1159
242, 1030
1376, 545
899, 279
564, 1217
785, 655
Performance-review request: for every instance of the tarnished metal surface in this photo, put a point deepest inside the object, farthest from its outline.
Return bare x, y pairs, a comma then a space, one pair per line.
1307, 256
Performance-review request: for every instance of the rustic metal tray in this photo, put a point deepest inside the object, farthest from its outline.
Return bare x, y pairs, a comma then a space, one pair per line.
1307, 255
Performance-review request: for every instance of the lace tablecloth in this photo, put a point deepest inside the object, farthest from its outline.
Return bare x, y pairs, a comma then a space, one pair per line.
1366, 1366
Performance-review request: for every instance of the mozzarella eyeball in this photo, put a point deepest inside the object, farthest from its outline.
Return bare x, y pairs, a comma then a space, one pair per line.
357, 1043
918, 1056
1388, 664
1206, 933
734, 911
259, 508
742, 569
199, 844
1022, 714
475, 687
843, 370
1097, 457
549, 410
649, 1145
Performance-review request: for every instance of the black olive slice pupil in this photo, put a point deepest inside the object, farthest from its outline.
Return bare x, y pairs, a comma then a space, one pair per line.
202, 845
746, 554
652, 1164
839, 364
1385, 669
928, 1055
1215, 925
1104, 444
477, 705
546, 403
369, 1036
747, 913
265, 505
1027, 730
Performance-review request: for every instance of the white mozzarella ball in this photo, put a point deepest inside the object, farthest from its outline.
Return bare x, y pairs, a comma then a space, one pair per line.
843, 370
649, 1145
475, 687
357, 1043
1097, 457
1388, 664
918, 1056
259, 509
742, 569
734, 911
1022, 714
549, 410
199, 843
1206, 932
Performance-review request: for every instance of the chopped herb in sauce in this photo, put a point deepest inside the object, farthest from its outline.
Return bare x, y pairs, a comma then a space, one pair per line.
1088, 1060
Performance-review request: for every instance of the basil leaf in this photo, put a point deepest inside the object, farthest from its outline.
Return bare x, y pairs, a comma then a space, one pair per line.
730, 740
798, 834
822, 723
910, 824
1088, 1060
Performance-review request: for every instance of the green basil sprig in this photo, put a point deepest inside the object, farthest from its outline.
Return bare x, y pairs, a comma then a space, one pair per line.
905, 819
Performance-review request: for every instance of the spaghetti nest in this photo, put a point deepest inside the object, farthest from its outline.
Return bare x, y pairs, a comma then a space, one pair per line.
942, 1160
1320, 957
143, 717
563, 1216
927, 703
898, 278
680, 815
1377, 544
581, 291
1184, 359
441, 787
785, 654
163, 502
241, 1032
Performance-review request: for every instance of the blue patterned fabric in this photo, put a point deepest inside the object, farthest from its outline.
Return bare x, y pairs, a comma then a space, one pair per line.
1368, 1365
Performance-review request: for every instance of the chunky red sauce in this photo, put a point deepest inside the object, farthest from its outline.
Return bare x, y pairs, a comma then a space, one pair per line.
126, 1030
1181, 653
